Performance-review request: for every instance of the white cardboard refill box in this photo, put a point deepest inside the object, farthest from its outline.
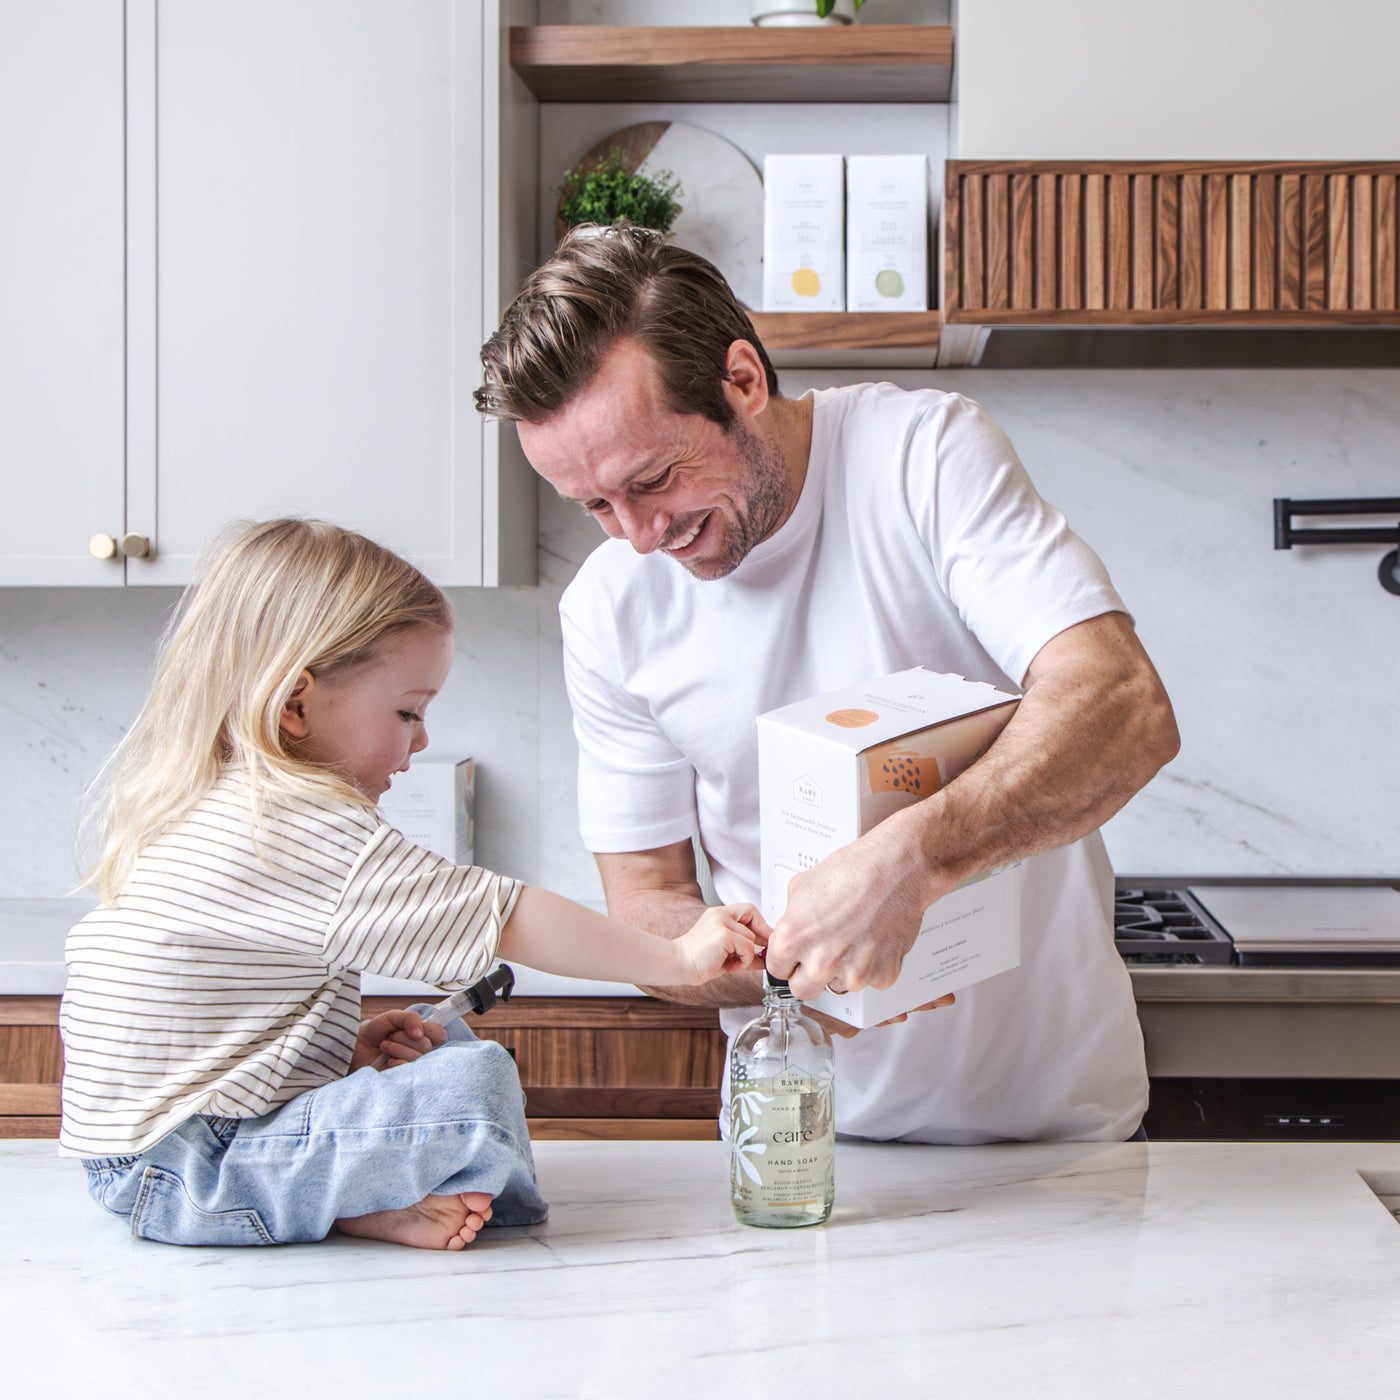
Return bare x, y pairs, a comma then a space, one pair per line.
804, 213
434, 805
831, 767
887, 233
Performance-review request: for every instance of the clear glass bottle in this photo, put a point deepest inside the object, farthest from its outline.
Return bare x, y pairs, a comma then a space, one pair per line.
782, 1124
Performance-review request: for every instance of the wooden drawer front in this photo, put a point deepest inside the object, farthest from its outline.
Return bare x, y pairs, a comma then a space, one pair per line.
1117, 243
590, 1066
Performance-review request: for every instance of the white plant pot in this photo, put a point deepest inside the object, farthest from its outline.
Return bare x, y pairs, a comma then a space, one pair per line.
794, 12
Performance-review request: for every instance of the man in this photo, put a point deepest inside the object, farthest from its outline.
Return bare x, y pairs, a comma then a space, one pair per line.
765, 549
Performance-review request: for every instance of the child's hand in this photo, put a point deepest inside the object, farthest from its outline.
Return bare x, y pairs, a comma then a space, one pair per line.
401, 1035
729, 938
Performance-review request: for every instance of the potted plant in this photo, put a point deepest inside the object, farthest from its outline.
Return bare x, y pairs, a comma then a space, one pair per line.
794, 12
606, 191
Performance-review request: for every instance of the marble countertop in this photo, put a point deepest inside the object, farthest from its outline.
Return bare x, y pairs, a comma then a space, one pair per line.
1067, 1270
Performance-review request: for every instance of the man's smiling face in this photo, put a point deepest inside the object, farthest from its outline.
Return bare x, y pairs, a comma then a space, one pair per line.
701, 493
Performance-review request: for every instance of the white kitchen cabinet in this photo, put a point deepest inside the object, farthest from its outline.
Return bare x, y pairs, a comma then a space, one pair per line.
312, 260
1195, 80
61, 288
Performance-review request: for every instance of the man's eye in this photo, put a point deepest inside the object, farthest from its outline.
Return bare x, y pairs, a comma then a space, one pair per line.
596, 507
657, 483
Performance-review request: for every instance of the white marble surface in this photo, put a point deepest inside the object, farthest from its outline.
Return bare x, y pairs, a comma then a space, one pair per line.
1073, 1270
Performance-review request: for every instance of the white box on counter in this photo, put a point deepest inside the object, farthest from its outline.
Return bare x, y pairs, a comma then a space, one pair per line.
804, 211
887, 233
434, 805
832, 766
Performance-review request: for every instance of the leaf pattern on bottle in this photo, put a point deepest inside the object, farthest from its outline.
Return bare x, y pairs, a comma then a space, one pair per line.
745, 1105
742, 1145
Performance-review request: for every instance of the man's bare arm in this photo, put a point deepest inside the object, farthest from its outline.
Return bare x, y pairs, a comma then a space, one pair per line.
658, 891
1093, 727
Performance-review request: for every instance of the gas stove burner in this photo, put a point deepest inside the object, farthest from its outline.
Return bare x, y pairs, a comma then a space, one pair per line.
1166, 926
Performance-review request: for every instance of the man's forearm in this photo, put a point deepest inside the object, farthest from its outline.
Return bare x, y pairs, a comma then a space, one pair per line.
668, 914
1077, 749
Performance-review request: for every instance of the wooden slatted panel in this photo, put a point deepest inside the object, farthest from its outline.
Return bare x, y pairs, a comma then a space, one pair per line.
1314, 242
1022, 240
974, 291
1120, 232
1192, 232
1265, 240
998, 259
1168, 241
1144, 270
1387, 294
1290, 242
950, 239
1047, 243
1071, 241
1095, 243
1174, 242
1338, 241
1217, 243
1362, 242
1241, 241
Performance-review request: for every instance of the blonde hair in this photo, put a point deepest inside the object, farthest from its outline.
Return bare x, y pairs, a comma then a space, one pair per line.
276, 599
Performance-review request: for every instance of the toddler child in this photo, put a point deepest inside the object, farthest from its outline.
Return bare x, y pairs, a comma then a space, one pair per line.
218, 1083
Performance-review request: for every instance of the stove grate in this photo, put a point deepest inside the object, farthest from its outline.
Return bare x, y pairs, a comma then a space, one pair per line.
1166, 926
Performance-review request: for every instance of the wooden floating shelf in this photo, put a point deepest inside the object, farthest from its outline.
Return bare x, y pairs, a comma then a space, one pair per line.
847, 330
636, 63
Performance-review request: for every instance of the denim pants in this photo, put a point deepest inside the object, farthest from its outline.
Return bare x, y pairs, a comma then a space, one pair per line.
453, 1120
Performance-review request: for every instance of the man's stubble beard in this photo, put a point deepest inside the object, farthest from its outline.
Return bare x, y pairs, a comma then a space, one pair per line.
763, 490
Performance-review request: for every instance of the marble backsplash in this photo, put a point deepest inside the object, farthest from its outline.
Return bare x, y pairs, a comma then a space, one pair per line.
1282, 664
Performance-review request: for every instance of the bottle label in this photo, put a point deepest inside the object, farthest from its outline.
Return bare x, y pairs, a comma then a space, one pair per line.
782, 1143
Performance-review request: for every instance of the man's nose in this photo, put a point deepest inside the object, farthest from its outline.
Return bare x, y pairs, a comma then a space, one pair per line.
643, 525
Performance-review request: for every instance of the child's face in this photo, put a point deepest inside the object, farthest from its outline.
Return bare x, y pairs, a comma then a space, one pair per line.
366, 724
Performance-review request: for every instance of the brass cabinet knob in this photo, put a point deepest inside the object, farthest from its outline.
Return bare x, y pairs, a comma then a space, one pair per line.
135, 546
103, 547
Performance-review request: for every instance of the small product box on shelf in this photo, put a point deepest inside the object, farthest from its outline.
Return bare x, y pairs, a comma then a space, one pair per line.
833, 766
804, 209
887, 233
434, 805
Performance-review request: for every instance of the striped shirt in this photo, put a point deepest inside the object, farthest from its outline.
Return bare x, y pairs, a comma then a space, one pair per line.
227, 979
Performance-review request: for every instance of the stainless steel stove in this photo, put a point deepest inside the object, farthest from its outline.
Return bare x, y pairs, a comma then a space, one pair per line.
1270, 1008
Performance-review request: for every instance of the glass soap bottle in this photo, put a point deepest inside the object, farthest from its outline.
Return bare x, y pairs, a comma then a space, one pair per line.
782, 1123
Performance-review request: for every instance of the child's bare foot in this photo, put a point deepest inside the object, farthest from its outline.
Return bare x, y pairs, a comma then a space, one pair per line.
436, 1222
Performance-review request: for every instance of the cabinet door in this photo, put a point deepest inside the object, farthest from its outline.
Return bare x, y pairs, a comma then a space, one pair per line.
61, 428
317, 234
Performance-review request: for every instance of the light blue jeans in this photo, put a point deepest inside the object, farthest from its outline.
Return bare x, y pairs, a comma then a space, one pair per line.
451, 1121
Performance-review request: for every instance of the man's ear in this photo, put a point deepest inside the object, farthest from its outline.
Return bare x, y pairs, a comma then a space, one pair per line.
292, 721
747, 385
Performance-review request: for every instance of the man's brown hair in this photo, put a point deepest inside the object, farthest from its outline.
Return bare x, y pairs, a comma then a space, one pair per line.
600, 287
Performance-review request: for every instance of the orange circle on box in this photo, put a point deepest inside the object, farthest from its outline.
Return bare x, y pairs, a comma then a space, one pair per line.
852, 719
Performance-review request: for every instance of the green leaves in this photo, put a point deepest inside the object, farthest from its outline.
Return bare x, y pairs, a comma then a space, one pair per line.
610, 192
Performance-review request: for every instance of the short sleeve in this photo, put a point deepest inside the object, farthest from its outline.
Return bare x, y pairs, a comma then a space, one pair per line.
1007, 559
405, 912
636, 790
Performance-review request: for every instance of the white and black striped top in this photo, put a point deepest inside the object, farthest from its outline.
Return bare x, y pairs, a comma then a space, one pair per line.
227, 980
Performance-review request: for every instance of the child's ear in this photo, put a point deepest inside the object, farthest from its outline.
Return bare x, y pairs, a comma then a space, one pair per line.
292, 721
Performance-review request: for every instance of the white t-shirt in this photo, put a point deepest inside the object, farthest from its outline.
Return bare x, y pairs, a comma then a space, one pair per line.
918, 540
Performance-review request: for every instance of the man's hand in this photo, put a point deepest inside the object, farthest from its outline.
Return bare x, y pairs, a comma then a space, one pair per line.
852, 917
401, 1035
